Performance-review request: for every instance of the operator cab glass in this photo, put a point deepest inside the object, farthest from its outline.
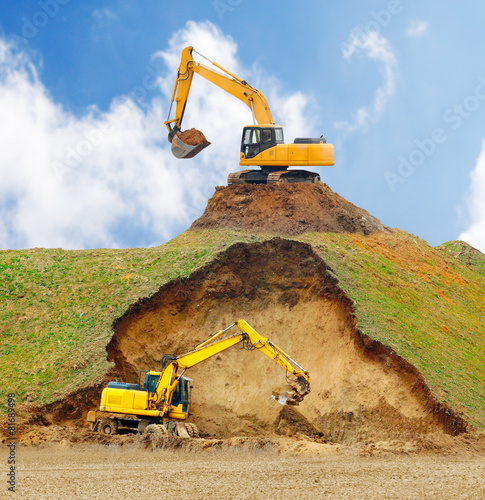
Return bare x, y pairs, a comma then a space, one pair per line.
181, 394
151, 382
258, 139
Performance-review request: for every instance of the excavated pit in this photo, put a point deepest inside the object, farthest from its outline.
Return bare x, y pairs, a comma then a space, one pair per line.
360, 389
288, 209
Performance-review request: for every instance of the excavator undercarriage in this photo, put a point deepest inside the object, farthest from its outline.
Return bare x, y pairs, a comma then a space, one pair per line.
267, 176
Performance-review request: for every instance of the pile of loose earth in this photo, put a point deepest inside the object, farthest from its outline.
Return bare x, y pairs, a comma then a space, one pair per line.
285, 209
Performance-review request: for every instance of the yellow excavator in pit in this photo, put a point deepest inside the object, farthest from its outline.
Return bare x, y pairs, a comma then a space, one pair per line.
262, 144
161, 402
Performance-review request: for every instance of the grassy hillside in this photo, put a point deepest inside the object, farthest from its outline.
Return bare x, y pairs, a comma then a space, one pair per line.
57, 306
424, 302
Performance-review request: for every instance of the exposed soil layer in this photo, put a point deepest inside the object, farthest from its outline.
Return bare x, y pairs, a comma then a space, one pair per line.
361, 389
33, 420
285, 209
192, 137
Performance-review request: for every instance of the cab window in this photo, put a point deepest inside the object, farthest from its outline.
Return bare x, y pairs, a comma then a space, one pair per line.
151, 382
266, 135
279, 134
176, 393
251, 136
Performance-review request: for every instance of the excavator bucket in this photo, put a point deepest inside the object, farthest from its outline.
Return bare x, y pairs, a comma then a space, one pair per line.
283, 395
189, 143
291, 394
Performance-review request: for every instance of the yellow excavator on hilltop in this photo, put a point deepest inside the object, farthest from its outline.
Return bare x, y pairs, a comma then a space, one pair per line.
161, 402
262, 144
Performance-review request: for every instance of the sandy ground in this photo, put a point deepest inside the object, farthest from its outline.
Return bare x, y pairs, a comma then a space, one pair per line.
98, 472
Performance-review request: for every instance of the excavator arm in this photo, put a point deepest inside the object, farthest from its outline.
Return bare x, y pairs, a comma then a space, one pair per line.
229, 82
188, 147
174, 367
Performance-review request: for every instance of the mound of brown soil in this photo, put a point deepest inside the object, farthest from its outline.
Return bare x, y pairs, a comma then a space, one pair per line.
285, 209
192, 137
291, 422
360, 388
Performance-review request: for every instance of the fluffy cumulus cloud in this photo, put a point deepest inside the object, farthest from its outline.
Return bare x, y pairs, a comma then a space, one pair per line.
475, 233
108, 178
374, 46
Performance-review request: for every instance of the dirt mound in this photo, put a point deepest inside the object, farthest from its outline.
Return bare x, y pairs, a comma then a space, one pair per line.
291, 422
53, 421
61, 435
192, 137
285, 209
294, 436
72, 408
361, 389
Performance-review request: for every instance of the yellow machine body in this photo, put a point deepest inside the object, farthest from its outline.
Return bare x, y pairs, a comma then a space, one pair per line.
166, 394
295, 155
273, 156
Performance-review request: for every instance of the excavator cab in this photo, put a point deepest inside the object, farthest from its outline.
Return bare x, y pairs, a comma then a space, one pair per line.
181, 394
256, 139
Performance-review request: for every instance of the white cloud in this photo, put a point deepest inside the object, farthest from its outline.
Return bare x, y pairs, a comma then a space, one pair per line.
417, 29
374, 46
103, 13
109, 178
475, 233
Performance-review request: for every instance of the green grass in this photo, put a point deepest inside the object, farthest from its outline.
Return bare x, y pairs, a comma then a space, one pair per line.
56, 306
470, 256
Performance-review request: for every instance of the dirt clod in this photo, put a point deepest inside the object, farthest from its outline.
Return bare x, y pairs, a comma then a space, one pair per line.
291, 422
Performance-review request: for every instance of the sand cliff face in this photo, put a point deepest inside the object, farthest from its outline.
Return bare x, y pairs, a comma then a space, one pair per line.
360, 389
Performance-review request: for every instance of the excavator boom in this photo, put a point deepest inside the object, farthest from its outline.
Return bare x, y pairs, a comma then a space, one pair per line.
229, 82
215, 345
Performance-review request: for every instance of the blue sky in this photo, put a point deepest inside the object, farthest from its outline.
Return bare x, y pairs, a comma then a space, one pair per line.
397, 86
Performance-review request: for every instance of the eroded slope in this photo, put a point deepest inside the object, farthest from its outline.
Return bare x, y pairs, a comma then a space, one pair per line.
360, 389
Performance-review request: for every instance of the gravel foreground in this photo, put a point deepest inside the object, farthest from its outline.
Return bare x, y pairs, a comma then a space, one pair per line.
99, 472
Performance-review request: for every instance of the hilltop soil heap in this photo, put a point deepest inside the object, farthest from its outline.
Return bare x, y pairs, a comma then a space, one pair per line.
289, 209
